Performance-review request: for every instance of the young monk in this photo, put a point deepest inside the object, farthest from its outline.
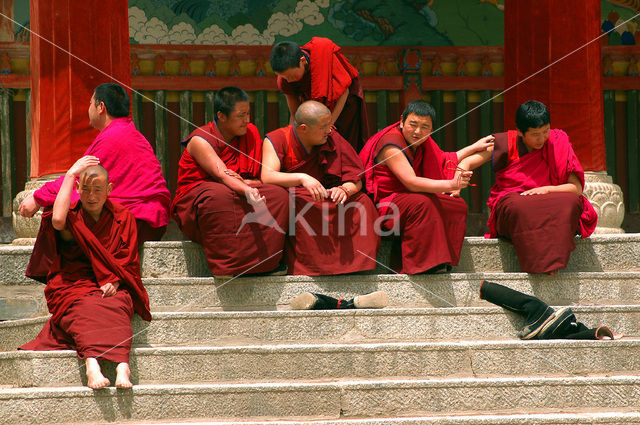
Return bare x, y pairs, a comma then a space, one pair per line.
334, 222
537, 201
318, 71
93, 284
412, 180
220, 201
127, 155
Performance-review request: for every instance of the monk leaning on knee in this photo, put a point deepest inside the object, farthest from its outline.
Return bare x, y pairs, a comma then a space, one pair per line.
537, 200
86, 253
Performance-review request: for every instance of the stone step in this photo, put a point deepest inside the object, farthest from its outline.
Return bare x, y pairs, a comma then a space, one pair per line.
342, 326
599, 253
578, 418
330, 361
328, 400
275, 292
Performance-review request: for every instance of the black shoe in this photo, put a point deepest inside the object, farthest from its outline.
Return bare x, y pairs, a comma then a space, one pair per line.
557, 324
376, 299
530, 330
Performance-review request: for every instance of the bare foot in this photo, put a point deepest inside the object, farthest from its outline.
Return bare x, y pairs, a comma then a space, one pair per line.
122, 376
94, 374
553, 272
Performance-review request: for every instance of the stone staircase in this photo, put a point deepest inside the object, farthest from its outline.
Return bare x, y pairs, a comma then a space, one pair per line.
230, 351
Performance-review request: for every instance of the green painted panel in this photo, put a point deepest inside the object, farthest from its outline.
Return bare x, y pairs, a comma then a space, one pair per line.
162, 145
186, 114
136, 109
7, 149
209, 97
283, 110
28, 132
382, 107
260, 110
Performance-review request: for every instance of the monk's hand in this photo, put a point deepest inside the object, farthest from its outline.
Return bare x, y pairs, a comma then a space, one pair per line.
315, 188
455, 193
537, 191
254, 197
109, 289
82, 164
484, 143
29, 206
337, 195
461, 180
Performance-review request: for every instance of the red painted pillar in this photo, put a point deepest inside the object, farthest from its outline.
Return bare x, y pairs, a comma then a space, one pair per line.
536, 34
75, 45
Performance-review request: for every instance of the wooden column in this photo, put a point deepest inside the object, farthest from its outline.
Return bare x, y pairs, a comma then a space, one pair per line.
75, 46
537, 35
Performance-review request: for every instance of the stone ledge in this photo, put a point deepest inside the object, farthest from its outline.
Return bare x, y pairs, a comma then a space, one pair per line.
346, 399
343, 326
174, 365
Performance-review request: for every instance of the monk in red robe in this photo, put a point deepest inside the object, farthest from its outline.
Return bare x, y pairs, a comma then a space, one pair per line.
220, 201
87, 254
412, 182
318, 71
334, 229
128, 157
537, 200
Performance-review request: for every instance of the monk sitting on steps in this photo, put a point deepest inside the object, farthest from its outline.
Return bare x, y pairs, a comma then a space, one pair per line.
87, 255
537, 201
334, 228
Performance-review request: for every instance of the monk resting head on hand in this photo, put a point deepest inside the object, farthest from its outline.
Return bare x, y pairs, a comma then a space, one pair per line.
94, 189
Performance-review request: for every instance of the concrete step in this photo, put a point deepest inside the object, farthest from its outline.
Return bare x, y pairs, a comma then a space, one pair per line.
321, 400
342, 326
599, 253
578, 418
275, 292
299, 362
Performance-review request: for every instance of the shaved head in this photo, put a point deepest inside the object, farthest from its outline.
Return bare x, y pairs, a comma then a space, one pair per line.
310, 112
95, 171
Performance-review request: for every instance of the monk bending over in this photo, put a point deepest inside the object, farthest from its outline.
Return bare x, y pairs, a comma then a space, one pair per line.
93, 283
412, 182
334, 222
220, 202
537, 201
318, 71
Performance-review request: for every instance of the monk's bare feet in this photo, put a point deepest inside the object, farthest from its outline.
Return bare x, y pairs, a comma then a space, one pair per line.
122, 376
94, 374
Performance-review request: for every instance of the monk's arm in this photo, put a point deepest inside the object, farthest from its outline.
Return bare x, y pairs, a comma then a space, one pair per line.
63, 199
479, 146
209, 160
271, 173
401, 168
292, 103
572, 185
337, 110
475, 160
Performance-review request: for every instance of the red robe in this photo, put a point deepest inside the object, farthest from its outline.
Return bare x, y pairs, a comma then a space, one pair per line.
528, 221
431, 225
327, 238
101, 252
236, 238
328, 75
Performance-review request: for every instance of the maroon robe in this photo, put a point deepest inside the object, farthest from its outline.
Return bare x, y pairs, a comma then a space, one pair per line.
101, 252
327, 238
327, 76
431, 225
236, 239
541, 227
